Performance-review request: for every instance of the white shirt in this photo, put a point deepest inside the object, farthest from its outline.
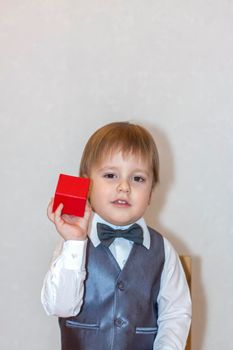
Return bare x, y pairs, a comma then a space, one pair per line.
63, 287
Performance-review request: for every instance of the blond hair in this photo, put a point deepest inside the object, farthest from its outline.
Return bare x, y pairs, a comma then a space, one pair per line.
124, 137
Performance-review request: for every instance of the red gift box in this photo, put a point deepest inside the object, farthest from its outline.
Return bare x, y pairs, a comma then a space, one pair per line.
72, 191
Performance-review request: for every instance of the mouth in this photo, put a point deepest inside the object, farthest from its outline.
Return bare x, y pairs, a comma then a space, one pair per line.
121, 203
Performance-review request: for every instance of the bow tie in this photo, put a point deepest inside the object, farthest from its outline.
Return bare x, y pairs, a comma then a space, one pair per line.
107, 234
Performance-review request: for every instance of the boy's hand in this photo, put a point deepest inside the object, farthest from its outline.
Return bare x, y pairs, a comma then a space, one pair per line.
70, 227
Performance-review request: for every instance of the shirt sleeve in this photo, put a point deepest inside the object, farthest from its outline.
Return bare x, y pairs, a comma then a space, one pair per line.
63, 287
174, 304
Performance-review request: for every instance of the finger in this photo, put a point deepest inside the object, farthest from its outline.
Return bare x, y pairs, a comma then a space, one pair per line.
50, 213
57, 215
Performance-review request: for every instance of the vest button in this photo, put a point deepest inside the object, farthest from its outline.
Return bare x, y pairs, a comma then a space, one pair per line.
118, 322
120, 285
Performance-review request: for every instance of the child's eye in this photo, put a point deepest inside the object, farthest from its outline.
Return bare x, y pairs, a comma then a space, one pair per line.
109, 176
139, 179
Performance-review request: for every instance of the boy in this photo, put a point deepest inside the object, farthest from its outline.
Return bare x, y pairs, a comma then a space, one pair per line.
117, 284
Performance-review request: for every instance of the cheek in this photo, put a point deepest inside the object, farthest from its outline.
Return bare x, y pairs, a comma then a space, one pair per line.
98, 193
95, 200
144, 197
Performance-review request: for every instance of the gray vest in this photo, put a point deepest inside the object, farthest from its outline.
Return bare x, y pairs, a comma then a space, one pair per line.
119, 311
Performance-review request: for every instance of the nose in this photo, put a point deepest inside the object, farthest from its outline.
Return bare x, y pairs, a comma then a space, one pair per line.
123, 186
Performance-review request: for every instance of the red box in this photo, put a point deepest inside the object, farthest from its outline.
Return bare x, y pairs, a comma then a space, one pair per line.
72, 191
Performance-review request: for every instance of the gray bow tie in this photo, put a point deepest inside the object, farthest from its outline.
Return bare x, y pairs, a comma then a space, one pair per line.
107, 234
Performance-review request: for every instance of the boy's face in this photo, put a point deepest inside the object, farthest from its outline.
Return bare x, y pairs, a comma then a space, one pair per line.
121, 188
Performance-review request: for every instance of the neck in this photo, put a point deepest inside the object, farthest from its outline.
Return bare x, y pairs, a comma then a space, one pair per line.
101, 220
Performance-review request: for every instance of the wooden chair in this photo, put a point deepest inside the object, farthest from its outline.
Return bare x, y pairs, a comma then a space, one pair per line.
186, 263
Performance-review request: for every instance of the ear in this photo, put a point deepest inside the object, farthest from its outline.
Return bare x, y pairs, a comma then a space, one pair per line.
90, 186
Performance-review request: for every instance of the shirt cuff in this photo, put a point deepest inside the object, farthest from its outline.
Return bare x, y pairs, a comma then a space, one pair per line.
74, 253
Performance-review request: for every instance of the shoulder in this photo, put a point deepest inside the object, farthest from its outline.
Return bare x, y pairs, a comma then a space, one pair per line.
169, 250
153, 231
155, 236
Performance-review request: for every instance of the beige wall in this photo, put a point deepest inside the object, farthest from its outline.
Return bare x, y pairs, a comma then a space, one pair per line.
68, 67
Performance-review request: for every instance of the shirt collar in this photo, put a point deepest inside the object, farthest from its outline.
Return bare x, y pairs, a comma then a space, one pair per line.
92, 231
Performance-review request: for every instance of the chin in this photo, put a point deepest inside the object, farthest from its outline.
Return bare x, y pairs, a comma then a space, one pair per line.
121, 222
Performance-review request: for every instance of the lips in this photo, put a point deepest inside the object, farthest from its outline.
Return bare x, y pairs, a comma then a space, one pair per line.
121, 202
